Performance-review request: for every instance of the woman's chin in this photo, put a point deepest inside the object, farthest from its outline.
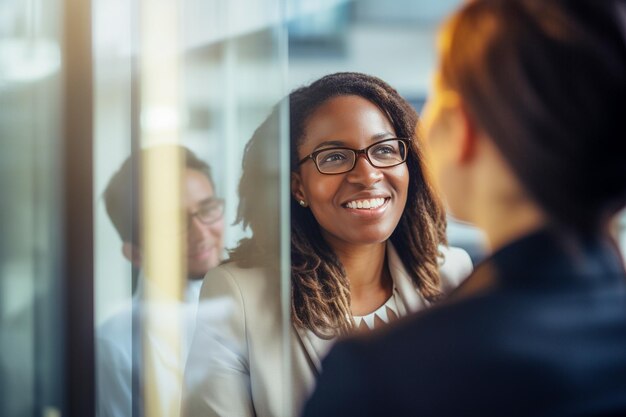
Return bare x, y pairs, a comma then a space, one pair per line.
365, 237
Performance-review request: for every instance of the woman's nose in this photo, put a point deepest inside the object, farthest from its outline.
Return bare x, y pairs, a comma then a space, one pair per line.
364, 172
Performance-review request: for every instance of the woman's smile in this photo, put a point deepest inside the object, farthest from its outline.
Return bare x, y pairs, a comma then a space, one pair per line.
367, 208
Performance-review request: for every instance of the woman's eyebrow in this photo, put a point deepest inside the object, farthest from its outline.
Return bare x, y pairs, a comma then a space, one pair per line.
330, 143
383, 135
374, 138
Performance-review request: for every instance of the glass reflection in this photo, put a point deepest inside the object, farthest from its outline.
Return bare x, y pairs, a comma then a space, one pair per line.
30, 208
231, 70
241, 301
119, 353
221, 104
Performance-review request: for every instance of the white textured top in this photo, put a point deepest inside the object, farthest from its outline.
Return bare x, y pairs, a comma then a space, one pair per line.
390, 311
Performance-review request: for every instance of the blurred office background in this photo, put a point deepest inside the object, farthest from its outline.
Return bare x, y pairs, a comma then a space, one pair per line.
74, 104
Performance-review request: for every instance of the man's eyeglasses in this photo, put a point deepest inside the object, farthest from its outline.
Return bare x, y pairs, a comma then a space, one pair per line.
209, 212
384, 154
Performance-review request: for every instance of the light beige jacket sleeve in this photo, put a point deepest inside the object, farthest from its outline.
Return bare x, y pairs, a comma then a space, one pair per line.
237, 365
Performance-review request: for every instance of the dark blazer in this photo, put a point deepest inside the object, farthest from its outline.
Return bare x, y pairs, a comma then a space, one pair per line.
539, 329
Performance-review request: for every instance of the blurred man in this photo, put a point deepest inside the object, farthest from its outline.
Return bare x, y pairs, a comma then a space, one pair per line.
119, 371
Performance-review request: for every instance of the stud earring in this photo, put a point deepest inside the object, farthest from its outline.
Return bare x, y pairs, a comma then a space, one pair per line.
302, 203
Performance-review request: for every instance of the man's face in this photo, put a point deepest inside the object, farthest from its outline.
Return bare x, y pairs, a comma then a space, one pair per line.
205, 224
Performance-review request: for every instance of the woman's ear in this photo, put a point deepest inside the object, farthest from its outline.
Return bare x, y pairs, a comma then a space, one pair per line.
469, 134
296, 186
297, 190
460, 131
132, 253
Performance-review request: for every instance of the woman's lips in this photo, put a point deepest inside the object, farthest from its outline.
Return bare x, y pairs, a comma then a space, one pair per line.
374, 210
365, 203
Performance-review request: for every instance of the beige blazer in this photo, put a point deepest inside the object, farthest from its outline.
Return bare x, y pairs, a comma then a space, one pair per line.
247, 359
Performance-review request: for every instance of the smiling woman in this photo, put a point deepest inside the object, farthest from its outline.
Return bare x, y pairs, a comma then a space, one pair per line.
342, 264
367, 247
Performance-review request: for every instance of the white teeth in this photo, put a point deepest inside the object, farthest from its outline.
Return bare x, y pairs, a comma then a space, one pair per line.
372, 203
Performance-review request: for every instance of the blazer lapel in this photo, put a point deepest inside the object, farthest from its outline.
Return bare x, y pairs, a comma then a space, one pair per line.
410, 295
313, 347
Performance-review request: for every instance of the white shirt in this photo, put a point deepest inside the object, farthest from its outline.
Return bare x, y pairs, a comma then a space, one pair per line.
115, 353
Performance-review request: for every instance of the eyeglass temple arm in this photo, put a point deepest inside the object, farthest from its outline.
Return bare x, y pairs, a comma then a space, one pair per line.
306, 158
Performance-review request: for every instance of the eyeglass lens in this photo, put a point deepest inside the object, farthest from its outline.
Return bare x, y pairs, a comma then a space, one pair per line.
382, 154
210, 212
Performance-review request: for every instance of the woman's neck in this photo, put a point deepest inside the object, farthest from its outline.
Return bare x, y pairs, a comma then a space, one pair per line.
367, 271
507, 223
498, 202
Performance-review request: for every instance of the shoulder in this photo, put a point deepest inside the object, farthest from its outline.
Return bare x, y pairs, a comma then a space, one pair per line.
345, 385
455, 265
456, 336
118, 326
238, 293
114, 338
391, 366
410, 356
232, 279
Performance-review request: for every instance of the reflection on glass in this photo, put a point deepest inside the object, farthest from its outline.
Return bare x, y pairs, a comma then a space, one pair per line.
118, 338
220, 104
204, 75
244, 83
30, 185
238, 350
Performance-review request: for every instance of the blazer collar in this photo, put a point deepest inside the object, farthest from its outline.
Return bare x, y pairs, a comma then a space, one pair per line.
316, 348
545, 258
410, 295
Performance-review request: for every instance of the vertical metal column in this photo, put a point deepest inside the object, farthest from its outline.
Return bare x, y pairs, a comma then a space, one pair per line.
77, 256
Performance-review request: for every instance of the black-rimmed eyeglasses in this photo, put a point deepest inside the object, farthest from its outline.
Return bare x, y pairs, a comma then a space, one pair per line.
384, 154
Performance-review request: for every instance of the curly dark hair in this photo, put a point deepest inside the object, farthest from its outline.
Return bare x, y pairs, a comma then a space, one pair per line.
320, 289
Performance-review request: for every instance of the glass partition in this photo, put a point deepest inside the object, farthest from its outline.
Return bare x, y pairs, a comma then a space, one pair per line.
181, 88
191, 194
31, 185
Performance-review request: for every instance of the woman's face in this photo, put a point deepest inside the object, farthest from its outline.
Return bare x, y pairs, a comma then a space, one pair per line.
435, 132
444, 132
357, 123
